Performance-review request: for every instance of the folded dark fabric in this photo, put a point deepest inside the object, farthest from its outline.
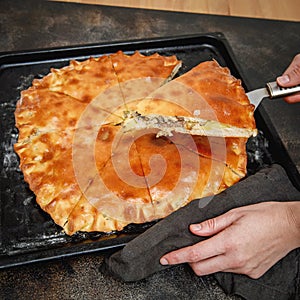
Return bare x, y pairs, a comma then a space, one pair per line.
281, 282
140, 257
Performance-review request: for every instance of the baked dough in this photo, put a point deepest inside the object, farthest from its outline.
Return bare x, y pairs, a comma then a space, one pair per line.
89, 174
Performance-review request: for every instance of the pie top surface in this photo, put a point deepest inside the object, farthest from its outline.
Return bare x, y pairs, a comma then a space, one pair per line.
90, 175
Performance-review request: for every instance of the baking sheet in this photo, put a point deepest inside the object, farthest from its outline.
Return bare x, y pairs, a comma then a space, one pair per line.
27, 233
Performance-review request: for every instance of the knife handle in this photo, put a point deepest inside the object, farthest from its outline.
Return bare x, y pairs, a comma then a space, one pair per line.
277, 91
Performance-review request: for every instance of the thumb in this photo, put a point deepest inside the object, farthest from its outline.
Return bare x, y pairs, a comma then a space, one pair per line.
291, 76
214, 225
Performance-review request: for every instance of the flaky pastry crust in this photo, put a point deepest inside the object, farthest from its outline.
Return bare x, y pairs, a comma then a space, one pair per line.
91, 176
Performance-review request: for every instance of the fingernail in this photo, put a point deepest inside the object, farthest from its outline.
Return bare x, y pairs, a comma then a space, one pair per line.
283, 79
163, 261
196, 227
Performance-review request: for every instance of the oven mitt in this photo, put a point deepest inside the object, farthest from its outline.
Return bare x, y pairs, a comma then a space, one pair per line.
140, 257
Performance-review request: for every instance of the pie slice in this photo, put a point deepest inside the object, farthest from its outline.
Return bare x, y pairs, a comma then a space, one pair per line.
81, 80
46, 162
181, 168
139, 75
223, 94
50, 162
128, 67
171, 170
207, 92
39, 110
228, 162
86, 217
118, 194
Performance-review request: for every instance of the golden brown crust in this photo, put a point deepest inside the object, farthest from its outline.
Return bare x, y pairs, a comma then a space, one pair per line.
46, 162
47, 111
89, 175
85, 217
128, 67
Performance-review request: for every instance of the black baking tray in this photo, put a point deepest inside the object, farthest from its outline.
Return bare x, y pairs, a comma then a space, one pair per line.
27, 233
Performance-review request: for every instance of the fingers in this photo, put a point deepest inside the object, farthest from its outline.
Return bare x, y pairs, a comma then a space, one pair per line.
293, 98
245, 242
205, 249
209, 266
195, 253
215, 225
223, 263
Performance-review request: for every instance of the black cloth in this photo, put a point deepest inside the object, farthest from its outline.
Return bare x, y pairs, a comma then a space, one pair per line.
140, 257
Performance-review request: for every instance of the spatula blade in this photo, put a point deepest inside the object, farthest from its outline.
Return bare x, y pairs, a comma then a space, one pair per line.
256, 96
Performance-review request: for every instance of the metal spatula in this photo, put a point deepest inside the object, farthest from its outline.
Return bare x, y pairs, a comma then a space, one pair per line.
272, 90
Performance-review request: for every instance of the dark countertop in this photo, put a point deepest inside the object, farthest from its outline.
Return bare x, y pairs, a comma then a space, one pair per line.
262, 48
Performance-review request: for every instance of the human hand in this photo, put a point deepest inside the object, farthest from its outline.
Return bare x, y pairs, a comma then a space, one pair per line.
247, 240
291, 77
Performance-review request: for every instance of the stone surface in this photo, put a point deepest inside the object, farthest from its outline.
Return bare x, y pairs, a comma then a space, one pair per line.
80, 278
